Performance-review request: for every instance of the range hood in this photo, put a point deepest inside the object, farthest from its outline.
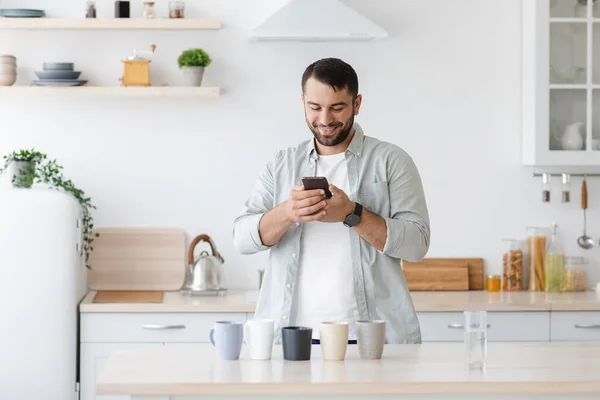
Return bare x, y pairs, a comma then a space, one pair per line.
317, 21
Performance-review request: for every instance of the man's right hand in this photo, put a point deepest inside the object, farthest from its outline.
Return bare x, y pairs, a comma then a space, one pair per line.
305, 205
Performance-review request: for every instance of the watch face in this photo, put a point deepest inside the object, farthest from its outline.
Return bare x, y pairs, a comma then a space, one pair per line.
352, 220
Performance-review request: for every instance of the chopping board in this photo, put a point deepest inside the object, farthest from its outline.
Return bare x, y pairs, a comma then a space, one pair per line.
443, 277
137, 259
106, 296
475, 266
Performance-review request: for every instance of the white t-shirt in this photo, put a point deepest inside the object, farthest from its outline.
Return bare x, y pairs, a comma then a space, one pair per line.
325, 286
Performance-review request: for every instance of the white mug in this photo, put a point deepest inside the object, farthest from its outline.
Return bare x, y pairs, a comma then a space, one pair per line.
258, 334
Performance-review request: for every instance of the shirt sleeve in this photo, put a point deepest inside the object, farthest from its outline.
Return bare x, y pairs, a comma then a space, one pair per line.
408, 231
246, 236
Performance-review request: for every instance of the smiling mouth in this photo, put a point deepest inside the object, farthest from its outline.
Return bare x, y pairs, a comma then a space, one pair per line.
328, 130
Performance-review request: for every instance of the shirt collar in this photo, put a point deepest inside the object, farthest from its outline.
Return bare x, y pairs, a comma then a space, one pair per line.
355, 147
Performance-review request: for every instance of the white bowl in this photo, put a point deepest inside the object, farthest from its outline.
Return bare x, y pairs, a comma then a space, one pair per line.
7, 79
8, 69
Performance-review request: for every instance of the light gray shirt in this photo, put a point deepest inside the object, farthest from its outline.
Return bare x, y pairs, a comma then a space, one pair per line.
384, 179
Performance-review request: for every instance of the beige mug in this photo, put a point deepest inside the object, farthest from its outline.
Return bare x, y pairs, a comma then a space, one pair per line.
334, 340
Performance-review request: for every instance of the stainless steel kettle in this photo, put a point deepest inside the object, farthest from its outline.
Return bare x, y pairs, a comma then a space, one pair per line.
204, 276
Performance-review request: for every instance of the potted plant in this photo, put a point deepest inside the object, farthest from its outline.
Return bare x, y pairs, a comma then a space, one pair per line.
30, 166
192, 62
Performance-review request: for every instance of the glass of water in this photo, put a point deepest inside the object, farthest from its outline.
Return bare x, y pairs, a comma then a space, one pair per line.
476, 338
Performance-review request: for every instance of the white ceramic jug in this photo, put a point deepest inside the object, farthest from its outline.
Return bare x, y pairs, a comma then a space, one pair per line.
572, 139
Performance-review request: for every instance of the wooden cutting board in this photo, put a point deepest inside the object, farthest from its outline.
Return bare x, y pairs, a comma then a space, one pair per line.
475, 266
449, 277
128, 297
132, 259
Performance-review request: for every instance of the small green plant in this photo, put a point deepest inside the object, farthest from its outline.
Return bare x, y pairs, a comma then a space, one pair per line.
38, 169
194, 58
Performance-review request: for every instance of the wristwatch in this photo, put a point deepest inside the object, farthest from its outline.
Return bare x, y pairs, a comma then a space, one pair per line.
354, 217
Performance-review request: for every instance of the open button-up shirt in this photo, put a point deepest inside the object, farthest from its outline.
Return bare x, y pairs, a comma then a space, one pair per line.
384, 179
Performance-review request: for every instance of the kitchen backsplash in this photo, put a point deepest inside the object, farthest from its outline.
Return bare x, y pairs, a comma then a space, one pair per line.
191, 163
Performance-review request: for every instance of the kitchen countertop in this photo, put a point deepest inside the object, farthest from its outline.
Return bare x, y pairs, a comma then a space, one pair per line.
245, 302
430, 368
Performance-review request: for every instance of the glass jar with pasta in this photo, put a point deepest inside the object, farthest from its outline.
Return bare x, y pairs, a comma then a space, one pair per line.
512, 265
537, 242
575, 275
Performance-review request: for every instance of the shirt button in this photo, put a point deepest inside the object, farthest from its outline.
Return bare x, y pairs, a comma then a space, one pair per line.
284, 317
297, 223
289, 285
293, 255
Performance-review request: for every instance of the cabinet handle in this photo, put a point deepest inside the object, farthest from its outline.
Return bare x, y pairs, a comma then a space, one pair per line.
592, 326
460, 326
163, 327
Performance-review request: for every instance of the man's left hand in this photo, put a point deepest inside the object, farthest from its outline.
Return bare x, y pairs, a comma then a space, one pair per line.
338, 206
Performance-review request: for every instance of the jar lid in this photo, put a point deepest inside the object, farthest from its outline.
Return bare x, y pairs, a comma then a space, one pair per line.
148, 3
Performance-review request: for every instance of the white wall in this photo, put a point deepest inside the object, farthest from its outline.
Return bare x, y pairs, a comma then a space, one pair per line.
445, 86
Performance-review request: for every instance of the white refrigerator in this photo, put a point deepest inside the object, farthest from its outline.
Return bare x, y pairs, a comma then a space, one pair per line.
43, 278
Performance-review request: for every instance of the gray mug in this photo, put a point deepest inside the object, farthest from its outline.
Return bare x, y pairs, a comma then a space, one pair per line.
370, 335
227, 337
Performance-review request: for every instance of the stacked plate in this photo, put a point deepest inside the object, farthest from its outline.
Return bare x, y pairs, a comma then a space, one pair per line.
58, 74
21, 13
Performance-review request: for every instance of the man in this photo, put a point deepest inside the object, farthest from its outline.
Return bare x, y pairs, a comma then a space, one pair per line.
339, 258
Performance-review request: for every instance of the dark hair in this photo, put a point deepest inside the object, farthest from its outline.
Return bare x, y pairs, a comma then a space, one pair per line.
333, 72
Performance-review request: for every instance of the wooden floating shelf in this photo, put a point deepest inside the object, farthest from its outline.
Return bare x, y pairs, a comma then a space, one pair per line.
116, 23
150, 91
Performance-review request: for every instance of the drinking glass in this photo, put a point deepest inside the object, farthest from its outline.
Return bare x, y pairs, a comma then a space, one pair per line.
476, 338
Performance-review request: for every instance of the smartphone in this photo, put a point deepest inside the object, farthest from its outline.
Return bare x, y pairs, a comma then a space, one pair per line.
317, 182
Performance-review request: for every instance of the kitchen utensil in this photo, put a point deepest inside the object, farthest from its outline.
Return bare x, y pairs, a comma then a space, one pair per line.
21, 13
136, 69
58, 66
133, 259
296, 342
58, 82
128, 297
584, 241
476, 338
370, 335
259, 335
475, 266
334, 340
436, 277
204, 276
227, 338
58, 74
572, 138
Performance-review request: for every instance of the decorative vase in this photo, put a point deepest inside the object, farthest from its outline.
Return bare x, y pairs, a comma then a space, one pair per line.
21, 173
192, 76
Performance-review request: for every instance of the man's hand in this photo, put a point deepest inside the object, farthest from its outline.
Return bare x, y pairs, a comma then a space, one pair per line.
305, 205
338, 207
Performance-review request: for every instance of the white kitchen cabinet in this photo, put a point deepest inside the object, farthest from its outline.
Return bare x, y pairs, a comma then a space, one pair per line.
575, 326
561, 84
103, 333
502, 326
93, 357
151, 327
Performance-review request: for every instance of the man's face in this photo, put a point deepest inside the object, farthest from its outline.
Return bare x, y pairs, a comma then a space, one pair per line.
329, 113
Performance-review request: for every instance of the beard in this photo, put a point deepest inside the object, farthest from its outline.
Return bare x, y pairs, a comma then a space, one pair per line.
343, 130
